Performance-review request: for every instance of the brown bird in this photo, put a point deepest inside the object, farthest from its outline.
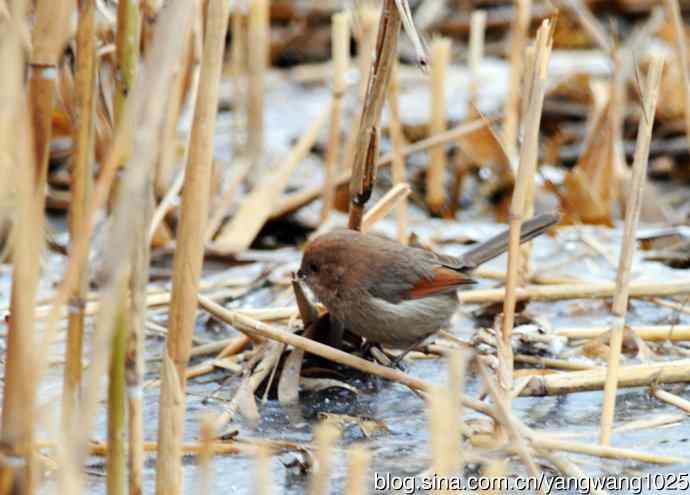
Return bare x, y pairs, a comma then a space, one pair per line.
393, 294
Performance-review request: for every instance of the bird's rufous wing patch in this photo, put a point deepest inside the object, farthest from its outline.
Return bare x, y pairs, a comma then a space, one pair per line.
443, 280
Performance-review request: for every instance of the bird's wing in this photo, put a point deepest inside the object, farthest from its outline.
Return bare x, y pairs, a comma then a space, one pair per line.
443, 280
424, 276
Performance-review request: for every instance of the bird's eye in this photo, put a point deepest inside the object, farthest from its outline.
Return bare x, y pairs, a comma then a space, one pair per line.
314, 267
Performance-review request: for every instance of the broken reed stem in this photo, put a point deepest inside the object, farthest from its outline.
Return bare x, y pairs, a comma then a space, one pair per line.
188, 258
603, 451
520, 204
648, 332
476, 51
629, 376
445, 432
672, 399
257, 329
632, 215
127, 61
574, 291
207, 436
326, 435
19, 380
395, 196
397, 143
262, 478
366, 144
673, 11
436, 170
340, 55
258, 43
457, 370
357, 469
505, 416
518, 42
82, 183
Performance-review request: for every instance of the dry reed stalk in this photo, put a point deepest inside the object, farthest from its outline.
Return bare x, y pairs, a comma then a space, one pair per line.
669, 398
263, 481
295, 201
561, 364
650, 332
222, 206
512, 427
368, 18
192, 448
189, 254
632, 215
27, 238
340, 55
116, 457
445, 433
568, 468
366, 144
394, 197
628, 376
257, 329
47, 41
258, 41
575, 291
168, 156
325, 435
521, 205
145, 106
358, 465
256, 207
518, 42
476, 51
603, 451
397, 143
677, 306
146, 109
207, 435
126, 328
82, 183
673, 11
436, 170
494, 470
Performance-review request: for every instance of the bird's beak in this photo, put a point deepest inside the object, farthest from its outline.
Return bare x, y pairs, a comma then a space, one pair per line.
300, 274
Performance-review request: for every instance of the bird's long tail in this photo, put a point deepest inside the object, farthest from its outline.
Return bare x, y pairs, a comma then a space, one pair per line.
498, 245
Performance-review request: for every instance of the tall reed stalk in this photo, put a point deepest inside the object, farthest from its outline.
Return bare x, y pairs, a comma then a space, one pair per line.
436, 171
18, 384
127, 56
650, 94
519, 32
340, 42
258, 36
189, 255
82, 183
28, 148
520, 203
366, 144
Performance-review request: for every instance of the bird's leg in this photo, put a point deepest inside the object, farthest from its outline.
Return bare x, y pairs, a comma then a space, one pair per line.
398, 359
